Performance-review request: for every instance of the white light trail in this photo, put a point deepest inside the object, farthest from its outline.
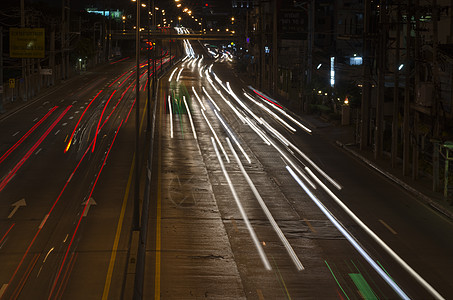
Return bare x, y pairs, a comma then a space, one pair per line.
271, 219
258, 131
198, 98
179, 74
241, 210
172, 73
335, 184
348, 236
282, 111
171, 116
232, 136
216, 137
190, 117
378, 240
209, 97
271, 113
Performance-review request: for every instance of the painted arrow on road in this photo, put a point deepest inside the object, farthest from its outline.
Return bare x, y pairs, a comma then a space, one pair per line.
88, 205
16, 205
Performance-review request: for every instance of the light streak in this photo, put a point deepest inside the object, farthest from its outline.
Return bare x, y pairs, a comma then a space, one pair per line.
171, 115
263, 205
283, 112
241, 210
100, 119
78, 122
271, 113
348, 236
215, 135
172, 73
190, 117
315, 166
7, 153
232, 136
258, 131
179, 74
209, 97
13, 172
81, 216
389, 250
198, 98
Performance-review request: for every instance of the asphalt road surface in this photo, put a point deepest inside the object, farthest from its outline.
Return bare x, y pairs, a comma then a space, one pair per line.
246, 200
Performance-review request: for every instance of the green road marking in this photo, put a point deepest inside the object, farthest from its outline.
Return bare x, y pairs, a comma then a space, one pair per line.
364, 288
336, 279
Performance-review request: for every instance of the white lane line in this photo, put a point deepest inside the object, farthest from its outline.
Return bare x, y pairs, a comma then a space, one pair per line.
389, 250
36, 119
57, 131
348, 236
216, 137
37, 152
388, 227
71, 117
64, 124
190, 117
171, 115
263, 205
241, 210
16, 133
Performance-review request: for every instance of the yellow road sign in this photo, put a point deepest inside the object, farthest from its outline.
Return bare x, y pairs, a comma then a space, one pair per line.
12, 83
26, 42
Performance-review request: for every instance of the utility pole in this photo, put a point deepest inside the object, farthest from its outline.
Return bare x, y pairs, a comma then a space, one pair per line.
311, 39
262, 52
136, 213
1, 70
381, 59
395, 119
274, 49
417, 59
149, 44
24, 60
366, 87
436, 97
407, 95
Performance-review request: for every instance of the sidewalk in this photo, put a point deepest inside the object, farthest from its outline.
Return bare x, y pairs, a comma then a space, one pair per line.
421, 188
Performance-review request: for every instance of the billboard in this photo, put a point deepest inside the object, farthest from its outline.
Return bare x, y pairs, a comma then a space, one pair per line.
26, 42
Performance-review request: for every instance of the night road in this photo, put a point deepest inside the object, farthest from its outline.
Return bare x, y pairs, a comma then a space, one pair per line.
247, 201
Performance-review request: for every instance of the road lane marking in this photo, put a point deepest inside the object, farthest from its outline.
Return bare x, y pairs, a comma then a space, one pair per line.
260, 294
388, 227
37, 152
348, 236
16, 133
16, 206
119, 227
266, 211
309, 225
58, 131
3, 289
43, 221
252, 232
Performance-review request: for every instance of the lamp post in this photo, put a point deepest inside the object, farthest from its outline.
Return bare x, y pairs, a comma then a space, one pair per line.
136, 216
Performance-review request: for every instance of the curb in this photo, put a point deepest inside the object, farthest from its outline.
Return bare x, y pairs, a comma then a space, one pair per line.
433, 204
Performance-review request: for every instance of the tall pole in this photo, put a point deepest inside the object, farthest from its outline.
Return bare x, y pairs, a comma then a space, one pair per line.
1, 70
366, 89
395, 119
407, 95
136, 217
24, 75
381, 79
274, 49
311, 39
149, 44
